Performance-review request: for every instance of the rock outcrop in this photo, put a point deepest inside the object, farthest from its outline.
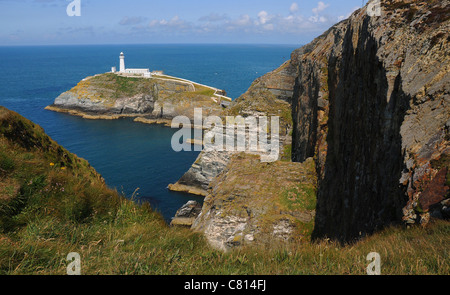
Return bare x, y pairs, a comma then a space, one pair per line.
187, 214
252, 202
207, 166
371, 103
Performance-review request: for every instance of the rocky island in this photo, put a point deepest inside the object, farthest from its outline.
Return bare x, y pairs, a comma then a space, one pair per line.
155, 98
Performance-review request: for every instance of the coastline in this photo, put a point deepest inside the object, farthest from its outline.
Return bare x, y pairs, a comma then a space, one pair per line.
141, 118
87, 115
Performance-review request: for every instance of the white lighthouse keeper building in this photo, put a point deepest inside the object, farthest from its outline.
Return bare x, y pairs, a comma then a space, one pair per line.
140, 72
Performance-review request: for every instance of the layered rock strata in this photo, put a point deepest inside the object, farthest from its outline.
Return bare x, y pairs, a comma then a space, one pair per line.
386, 121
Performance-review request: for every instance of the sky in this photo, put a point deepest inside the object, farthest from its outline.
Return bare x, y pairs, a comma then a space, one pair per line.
48, 22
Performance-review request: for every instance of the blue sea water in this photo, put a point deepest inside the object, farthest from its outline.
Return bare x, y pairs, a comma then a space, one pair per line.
128, 155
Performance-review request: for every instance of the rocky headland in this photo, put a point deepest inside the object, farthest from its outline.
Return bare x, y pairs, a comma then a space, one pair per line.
150, 100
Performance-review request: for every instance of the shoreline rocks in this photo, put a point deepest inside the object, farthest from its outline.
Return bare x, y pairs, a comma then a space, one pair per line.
187, 214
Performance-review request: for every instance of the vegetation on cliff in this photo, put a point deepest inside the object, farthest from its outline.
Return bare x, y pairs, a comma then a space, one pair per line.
108, 87
53, 203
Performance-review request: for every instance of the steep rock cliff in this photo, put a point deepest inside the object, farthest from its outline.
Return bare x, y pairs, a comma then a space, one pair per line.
371, 103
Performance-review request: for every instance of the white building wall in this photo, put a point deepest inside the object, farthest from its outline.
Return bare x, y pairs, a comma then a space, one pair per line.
137, 71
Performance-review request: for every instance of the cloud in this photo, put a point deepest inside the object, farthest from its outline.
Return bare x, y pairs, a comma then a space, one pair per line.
216, 24
263, 17
320, 7
175, 24
243, 20
293, 8
317, 18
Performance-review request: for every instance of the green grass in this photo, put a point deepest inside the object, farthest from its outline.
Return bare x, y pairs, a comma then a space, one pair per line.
6, 163
301, 197
287, 153
66, 207
200, 90
111, 86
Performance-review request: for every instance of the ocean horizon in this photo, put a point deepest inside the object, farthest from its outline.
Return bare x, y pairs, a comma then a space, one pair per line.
134, 158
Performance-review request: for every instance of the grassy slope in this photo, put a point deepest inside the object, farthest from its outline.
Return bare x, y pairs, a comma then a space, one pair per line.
47, 211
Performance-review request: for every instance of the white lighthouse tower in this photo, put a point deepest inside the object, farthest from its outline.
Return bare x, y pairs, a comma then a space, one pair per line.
122, 62
130, 72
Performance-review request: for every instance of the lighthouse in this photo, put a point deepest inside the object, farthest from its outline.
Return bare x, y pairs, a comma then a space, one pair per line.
130, 72
122, 62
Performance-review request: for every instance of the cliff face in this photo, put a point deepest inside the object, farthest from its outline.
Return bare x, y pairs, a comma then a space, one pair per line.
371, 103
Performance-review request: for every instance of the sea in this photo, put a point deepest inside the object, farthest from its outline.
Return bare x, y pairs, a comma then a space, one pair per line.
134, 158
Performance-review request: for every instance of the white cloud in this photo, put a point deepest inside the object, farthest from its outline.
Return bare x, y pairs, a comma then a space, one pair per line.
320, 7
174, 23
263, 17
261, 23
318, 19
293, 8
243, 20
